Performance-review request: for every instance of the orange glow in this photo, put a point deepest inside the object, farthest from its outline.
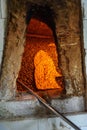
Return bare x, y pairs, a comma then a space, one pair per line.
39, 67
38, 28
45, 71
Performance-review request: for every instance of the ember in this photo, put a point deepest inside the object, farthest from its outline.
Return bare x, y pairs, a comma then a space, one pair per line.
39, 68
45, 71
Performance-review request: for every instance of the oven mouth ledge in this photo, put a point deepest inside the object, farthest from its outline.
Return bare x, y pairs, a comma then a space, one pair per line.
31, 108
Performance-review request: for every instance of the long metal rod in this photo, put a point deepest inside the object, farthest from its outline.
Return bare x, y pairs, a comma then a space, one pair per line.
56, 112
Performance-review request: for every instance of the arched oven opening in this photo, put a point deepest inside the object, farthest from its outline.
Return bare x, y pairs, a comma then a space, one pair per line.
40, 62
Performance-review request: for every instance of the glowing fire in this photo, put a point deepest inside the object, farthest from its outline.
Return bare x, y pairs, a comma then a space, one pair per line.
45, 71
39, 68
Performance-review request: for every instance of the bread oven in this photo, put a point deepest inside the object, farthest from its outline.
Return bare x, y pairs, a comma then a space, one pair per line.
39, 67
44, 50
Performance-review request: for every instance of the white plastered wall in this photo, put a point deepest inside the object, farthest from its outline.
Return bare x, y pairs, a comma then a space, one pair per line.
84, 5
3, 17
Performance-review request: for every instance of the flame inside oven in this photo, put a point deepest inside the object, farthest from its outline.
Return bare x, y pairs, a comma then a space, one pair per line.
39, 68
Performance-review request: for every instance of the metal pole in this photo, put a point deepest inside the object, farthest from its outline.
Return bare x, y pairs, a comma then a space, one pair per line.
56, 112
